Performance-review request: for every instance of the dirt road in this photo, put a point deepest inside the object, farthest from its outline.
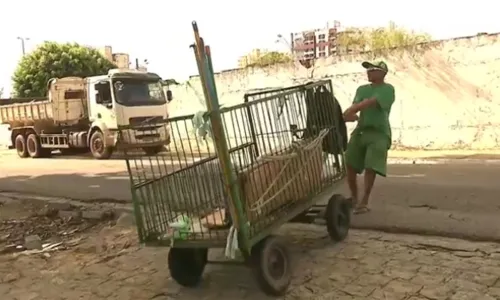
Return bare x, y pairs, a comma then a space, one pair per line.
100, 259
368, 265
458, 199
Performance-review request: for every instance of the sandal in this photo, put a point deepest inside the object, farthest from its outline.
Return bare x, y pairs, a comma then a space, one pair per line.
361, 210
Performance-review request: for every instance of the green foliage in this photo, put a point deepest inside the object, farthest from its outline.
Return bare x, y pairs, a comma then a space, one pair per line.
376, 39
54, 60
270, 58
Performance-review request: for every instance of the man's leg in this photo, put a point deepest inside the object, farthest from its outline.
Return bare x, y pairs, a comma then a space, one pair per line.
368, 185
352, 182
355, 157
375, 164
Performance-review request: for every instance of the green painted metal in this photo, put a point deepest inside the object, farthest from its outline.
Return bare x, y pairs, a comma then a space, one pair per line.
180, 185
208, 81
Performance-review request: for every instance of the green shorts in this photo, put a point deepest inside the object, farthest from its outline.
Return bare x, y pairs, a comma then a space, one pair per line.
368, 150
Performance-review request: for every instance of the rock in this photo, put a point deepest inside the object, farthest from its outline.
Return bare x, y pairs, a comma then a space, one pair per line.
69, 214
87, 247
10, 277
97, 214
47, 212
59, 206
33, 242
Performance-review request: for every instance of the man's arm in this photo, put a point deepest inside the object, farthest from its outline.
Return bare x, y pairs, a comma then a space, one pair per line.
357, 96
352, 117
384, 100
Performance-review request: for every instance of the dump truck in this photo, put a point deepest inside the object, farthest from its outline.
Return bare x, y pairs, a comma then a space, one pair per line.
83, 114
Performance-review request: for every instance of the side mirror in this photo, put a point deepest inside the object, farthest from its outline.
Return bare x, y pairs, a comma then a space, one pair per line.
170, 97
109, 105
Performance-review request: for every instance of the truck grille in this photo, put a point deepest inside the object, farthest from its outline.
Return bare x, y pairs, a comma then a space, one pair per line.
142, 124
150, 120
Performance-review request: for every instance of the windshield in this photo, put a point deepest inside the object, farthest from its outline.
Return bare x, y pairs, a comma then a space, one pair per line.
137, 92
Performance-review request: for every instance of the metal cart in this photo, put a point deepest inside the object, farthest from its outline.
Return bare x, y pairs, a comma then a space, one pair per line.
278, 158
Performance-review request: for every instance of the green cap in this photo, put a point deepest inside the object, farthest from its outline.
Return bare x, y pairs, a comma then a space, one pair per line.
377, 65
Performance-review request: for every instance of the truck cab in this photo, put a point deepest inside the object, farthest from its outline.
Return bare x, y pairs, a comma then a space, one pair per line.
82, 114
127, 98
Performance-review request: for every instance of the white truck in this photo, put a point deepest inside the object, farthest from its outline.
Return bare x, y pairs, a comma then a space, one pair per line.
82, 114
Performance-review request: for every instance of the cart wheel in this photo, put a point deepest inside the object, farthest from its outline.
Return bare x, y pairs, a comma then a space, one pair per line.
272, 266
338, 217
186, 265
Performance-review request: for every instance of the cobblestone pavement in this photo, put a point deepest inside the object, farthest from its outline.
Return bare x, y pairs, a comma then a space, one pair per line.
368, 265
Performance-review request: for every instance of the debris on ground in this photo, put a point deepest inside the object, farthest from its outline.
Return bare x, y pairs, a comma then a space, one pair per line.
34, 227
33, 242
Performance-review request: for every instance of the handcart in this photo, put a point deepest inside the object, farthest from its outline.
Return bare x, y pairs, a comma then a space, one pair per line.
278, 158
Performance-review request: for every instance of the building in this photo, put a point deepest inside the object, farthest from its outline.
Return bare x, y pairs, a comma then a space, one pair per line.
121, 60
312, 44
248, 59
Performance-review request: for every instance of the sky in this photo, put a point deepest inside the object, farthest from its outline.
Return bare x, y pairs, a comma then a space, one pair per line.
161, 31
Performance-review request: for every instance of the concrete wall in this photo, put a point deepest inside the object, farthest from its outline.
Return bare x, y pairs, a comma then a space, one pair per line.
447, 91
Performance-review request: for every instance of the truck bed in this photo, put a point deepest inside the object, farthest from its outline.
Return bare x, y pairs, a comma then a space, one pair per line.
19, 112
9, 101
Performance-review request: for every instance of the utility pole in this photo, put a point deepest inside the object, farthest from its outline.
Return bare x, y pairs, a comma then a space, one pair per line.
23, 47
282, 39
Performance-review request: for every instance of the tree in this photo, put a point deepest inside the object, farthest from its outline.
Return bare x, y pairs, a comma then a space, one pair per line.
54, 60
272, 58
259, 58
376, 39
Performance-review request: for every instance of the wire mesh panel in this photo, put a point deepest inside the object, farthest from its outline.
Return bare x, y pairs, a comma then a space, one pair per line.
286, 146
300, 139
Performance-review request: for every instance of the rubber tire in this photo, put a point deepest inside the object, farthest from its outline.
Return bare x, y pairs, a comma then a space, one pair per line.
20, 145
153, 150
108, 151
338, 217
186, 265
38, 151
260, 257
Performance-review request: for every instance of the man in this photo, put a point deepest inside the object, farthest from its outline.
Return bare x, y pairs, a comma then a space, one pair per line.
371, 139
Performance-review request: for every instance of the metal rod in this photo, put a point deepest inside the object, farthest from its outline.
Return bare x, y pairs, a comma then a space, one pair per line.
208, 80
199, 60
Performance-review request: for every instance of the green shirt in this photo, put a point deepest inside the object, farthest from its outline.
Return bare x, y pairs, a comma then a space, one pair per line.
376, 117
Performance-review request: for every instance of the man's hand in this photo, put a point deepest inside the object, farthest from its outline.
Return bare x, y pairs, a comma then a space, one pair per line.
352, 110
350, 118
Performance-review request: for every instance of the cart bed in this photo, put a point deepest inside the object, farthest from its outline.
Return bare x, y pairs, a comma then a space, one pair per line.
195, 187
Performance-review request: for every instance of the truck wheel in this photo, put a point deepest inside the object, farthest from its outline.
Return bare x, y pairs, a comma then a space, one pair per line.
99, 151
153, 150
34, 147
20, 144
